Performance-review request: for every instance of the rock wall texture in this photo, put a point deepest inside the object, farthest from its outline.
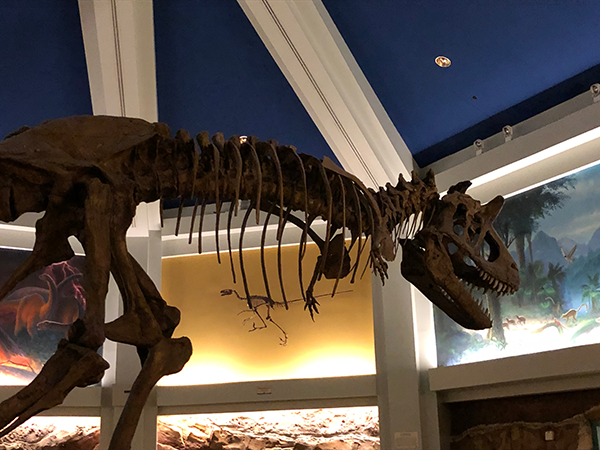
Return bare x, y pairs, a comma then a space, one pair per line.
53, 433
329, 429
570, 434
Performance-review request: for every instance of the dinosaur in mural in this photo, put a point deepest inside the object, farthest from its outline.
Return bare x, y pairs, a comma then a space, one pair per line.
89, 174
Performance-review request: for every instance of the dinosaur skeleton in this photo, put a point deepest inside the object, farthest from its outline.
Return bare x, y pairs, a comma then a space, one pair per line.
89, 173
262, 300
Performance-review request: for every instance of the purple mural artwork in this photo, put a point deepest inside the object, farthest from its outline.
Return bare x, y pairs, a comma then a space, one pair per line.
36, 315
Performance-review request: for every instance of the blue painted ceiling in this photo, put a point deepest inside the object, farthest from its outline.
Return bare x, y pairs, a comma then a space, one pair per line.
43, 73
510, 61
506, 58
215, 74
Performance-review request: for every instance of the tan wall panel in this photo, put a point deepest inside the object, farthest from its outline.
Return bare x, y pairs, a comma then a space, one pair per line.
339, 342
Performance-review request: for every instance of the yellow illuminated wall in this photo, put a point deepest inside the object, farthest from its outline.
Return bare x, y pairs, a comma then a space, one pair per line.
338, 343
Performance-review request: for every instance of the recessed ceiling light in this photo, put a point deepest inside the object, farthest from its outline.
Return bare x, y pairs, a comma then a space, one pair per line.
443, 61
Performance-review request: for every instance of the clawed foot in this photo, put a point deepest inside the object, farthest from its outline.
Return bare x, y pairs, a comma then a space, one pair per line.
311, 304
71, 366
379, 266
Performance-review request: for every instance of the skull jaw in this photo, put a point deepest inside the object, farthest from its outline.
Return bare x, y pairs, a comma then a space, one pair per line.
499, 273
431, 272
486, 275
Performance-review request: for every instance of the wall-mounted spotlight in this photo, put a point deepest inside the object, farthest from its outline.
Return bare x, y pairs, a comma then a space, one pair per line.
595, 90
507, 131
478, 144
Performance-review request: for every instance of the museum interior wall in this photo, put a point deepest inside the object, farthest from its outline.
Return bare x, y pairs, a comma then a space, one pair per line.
529, 382
234, 343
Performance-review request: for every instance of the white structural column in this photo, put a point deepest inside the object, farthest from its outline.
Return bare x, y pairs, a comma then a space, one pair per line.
397, 371
312, 55
119, 45
426, 353
119, 48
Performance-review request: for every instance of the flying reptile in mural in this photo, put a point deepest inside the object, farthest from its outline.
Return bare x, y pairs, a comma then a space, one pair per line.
89, 174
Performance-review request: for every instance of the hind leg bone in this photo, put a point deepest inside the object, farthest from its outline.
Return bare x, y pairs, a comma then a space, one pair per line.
138, 325
165, 357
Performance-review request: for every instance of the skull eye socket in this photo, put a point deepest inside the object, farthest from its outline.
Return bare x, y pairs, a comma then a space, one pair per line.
485, 250
491, 250
460, 220
460, 215
452, 248
474, 237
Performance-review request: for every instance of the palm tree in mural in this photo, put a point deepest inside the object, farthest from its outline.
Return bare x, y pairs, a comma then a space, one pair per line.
556, 276
534, 282
496, 332
520, 215
591, 291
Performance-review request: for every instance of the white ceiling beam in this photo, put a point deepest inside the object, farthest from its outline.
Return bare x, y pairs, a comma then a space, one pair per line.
311, 53
118, 37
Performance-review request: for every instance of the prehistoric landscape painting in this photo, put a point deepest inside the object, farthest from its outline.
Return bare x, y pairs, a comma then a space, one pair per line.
553, 233
330, 428
36, 315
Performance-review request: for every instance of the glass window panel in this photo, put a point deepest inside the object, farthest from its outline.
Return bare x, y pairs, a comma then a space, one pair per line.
553, 233
230, 341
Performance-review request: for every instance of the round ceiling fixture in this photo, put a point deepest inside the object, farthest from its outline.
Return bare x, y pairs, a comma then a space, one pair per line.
443, 61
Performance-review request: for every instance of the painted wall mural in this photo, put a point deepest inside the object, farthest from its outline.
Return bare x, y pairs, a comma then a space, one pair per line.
36, 315
553, 232
235, 343
307, 429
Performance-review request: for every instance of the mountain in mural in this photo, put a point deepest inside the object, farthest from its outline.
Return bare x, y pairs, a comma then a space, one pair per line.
546, 249
578, 274
586, 264
594, 243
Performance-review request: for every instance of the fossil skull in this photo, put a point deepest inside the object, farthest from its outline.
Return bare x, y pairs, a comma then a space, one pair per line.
459, 250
